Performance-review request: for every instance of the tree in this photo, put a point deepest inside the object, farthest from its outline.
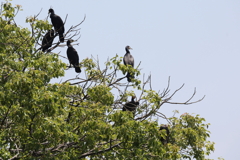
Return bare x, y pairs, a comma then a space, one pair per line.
82, 118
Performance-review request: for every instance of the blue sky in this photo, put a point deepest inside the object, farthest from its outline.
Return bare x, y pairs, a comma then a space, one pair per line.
194, 42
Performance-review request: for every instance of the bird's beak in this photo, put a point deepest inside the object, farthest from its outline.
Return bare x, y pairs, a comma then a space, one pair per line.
130, 48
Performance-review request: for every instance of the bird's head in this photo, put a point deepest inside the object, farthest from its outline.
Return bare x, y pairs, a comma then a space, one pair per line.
70, 41
50, 11
128, 47
164, 127
133, 97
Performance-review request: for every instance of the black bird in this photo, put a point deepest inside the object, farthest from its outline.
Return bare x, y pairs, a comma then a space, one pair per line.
130, 106
57, 24
128, 60
166, 139
47, 40
73, 56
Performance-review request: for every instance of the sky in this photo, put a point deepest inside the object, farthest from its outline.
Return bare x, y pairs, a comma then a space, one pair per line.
194, 42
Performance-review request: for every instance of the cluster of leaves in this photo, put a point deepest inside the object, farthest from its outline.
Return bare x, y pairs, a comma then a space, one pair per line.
190, 132
73, 120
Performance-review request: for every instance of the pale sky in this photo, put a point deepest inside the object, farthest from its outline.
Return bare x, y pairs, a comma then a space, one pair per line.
195, 42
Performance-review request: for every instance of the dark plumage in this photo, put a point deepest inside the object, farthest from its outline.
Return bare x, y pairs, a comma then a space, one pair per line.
73, 56
128, 60
131, 106
57, 24
47, 40
165, 139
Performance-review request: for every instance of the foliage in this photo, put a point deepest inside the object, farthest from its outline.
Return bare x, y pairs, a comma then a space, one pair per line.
82, 118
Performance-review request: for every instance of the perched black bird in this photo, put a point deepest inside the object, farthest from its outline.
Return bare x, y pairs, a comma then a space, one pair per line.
131, 106
128, 60
73, 56
57, 24
166, 139
47, 40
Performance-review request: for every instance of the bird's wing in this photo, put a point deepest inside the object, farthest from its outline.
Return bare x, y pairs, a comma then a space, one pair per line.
76, 57
131, 60
128, 59
57, 22
72, 56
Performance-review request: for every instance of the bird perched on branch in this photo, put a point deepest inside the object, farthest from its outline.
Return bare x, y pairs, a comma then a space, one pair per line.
73, 56
57, 24
128, 60
47, 40
131, 106
165, 140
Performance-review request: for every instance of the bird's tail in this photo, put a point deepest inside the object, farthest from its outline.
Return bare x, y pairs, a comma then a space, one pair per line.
43, 49
77, 69
129, 77
61, 38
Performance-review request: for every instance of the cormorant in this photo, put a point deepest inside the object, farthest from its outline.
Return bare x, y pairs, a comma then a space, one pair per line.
57, 24
47, 40
73, 56
130, 106
166, 139
128, 60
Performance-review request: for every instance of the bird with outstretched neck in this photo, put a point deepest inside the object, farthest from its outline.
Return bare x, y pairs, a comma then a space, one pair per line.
73, 56
57, 24
128, 60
